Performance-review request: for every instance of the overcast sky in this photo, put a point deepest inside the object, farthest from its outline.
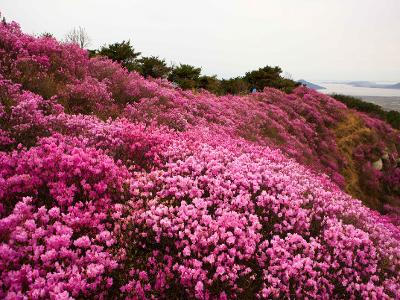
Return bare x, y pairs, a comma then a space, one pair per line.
311, 39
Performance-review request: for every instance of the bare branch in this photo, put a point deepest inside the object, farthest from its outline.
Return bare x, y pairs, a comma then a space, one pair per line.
78, 36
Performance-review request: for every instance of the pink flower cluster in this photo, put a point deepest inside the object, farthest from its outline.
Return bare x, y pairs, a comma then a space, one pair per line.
185, 195
39, 64
57, 201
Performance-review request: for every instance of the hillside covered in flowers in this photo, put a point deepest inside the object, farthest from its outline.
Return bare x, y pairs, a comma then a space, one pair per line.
117, 186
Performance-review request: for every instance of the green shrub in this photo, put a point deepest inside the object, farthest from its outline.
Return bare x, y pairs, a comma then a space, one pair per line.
392, 117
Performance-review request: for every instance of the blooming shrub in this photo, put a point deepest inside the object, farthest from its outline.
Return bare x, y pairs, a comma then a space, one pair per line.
59, 197
87, 97
42, 64
184, 194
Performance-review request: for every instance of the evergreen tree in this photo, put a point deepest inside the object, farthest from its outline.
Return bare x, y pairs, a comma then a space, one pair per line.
186, 76
123, 53
269, 77
210, 83
154, 67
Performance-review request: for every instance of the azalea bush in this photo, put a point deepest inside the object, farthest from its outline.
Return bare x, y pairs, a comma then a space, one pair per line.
116, 186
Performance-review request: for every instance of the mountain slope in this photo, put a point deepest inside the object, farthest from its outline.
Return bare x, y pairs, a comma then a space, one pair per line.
113, 186
369, 84
311, 85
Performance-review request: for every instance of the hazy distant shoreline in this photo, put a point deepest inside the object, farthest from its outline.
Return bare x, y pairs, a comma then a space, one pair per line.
388, 99
387, 103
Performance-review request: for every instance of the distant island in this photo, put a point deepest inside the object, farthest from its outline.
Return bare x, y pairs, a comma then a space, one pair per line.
311, 85
370, 84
